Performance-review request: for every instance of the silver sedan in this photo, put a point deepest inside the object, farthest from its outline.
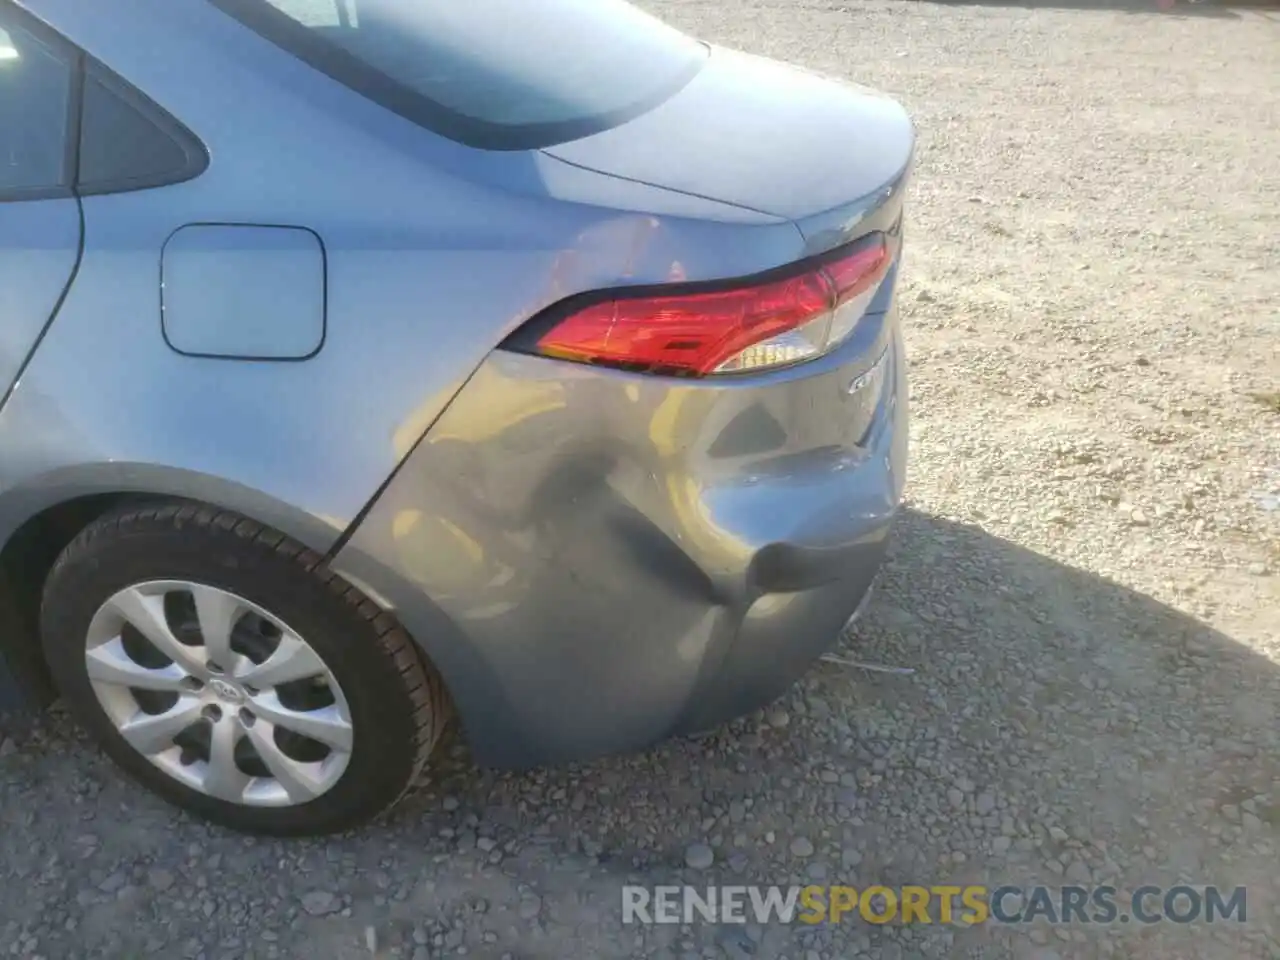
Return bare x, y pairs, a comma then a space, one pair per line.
364, 362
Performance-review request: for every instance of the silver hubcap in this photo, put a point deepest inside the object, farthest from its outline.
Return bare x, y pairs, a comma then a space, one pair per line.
218, 693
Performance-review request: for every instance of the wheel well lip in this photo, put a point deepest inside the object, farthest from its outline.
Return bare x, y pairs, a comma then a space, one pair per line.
21, 659
24, 502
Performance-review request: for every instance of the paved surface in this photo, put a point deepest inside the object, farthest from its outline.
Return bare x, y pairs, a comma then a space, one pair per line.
1087, 579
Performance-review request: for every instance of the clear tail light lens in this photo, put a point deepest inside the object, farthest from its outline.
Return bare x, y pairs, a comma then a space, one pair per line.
733, 329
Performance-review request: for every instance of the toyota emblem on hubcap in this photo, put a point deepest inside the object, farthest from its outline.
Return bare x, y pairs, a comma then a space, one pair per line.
225, 690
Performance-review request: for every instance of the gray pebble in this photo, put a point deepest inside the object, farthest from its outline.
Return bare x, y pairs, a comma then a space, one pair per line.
699, 856
801, 847
318, 903
160, 879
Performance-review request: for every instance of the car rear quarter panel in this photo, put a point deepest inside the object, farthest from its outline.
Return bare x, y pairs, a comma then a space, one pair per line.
597, 559
435, 253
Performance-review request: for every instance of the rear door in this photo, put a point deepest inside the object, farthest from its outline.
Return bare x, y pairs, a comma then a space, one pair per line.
40, 224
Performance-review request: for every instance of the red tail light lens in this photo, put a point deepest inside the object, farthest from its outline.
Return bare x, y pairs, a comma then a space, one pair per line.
858, 272
694, 333
751, 327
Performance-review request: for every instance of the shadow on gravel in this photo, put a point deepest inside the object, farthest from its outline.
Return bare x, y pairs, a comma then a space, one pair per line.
1059, 725
1209, 8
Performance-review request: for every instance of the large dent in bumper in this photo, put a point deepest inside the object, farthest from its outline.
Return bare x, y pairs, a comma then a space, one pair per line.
595, 561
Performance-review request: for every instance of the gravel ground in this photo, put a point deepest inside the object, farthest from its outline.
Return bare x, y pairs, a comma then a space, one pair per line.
1087, 578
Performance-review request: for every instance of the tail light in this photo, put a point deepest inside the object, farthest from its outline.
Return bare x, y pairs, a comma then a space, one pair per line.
704, 331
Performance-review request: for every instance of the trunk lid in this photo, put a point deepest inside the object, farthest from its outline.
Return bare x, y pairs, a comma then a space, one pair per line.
762, 135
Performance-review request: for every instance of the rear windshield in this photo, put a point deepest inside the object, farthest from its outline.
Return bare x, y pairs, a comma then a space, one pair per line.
495, 74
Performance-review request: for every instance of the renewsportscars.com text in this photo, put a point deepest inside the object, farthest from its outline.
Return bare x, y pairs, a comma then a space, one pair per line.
943, 904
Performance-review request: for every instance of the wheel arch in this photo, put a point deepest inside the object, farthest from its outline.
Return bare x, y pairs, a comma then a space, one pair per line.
40, 518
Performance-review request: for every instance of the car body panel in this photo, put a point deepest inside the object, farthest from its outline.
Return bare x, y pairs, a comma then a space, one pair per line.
761, 135
39, 246
594, 559
415, 236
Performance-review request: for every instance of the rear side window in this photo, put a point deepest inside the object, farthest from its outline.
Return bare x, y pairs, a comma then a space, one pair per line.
494, 74
69, 126
35, 98
129, 143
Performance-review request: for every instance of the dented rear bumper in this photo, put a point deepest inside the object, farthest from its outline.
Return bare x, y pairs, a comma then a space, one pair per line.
596, 560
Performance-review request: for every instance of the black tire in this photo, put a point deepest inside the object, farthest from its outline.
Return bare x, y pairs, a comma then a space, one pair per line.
397, 701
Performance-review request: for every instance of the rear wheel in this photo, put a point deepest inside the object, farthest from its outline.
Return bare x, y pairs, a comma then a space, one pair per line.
224, 667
